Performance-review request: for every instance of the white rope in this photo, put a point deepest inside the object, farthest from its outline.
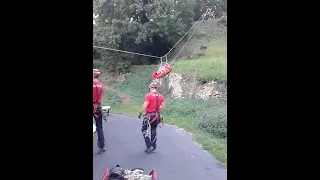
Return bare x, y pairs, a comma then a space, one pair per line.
166, 59
189, 38
203, 15
126, 52
160, 62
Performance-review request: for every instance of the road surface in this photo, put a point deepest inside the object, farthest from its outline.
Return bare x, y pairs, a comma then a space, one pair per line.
177, 155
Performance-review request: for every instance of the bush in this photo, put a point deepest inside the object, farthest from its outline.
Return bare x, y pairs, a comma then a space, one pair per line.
222, 21
207, 116
213, 122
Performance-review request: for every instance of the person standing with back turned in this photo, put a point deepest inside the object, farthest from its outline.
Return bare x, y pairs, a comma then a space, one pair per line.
153, 104
97, 110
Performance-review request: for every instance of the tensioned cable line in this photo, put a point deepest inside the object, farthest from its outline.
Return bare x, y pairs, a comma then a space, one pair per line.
202, 16
187, 40
127, 52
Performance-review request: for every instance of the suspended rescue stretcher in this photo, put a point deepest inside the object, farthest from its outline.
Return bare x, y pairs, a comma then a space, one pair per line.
162, 71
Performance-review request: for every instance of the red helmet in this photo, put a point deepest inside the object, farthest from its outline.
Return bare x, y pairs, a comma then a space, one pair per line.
153, 85
96, 73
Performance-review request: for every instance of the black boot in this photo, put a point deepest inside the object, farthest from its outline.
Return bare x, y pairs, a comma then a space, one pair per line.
154, 148
149, 150
102, 150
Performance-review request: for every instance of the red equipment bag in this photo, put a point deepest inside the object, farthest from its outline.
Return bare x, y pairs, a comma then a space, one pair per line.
153, 174
106, 174
163, 70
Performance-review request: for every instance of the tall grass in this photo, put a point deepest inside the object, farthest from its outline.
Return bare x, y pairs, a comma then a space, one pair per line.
211, 66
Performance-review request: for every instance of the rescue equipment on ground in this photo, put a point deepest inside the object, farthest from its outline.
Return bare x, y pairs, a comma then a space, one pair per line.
118, 173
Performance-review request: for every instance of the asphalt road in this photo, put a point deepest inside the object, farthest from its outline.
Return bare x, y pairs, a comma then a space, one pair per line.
177, 155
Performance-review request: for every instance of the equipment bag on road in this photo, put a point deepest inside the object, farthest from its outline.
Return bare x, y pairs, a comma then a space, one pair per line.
118, 173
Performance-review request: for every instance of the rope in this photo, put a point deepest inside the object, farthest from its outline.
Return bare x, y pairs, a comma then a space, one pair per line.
166, 59
136, 174
160, 62
189, 37
187, 32
126, 52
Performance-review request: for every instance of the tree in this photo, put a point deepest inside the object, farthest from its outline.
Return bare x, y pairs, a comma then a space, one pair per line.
218, 8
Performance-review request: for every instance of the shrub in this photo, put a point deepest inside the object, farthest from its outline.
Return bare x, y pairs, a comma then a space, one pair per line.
213, 122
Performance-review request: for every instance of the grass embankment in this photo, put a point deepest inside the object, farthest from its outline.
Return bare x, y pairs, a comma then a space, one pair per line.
206, 120
211, 66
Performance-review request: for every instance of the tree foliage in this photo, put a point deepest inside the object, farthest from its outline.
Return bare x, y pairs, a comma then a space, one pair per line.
144, 26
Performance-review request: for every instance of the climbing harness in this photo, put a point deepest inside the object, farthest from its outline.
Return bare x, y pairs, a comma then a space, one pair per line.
97, 110
156, 114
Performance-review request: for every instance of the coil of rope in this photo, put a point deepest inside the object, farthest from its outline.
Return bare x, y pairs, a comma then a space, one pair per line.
136, 175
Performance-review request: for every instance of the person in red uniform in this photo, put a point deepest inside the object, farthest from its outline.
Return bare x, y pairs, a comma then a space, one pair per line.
153, 104
97, 110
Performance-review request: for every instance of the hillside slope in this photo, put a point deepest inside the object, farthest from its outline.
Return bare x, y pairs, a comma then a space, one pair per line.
207, 37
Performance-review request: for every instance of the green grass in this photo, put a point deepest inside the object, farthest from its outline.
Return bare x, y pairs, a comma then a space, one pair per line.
129, 110
211, 66
111, 98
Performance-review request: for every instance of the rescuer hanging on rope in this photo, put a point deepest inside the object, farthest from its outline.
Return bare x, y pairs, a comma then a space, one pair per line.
97, 110
153, 104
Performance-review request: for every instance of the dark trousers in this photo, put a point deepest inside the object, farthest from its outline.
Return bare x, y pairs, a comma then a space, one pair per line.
149, 132
100, 131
